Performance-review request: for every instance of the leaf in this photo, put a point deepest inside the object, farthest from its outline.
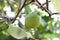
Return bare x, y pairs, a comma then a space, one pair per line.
3, 25
49, 24
20, 24
16, 32
46, 18
56, 4
27, 10
10, 38
2, 36
2, 4
49, 36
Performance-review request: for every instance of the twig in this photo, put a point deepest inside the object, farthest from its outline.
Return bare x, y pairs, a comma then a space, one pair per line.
54, 13
48, 11
27, 3
18, 12
10, 5
47, 4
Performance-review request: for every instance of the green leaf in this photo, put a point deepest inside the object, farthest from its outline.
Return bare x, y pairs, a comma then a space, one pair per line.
3, 25
2, 4
10, 38
16, 32
56, 4
49, 36
49, 24
2, 36
27, 10
46, 18
41, 29
20, 24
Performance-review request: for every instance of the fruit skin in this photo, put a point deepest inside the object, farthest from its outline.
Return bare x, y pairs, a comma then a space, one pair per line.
32, 20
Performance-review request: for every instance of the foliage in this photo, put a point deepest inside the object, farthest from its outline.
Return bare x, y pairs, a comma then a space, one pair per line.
40, 23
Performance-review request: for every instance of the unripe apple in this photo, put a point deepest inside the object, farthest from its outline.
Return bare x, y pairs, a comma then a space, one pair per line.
32, 20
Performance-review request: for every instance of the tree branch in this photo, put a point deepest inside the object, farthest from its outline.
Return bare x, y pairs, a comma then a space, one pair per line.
20, 10
48, 11
10, 5
47, 4
27, 4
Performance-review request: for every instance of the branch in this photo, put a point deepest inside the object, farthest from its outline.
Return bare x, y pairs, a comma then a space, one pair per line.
10, 5
20, 10
55, 13
27, 3
48, 11
47, 4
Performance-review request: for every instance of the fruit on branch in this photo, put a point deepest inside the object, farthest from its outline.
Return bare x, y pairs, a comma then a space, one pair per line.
32, 20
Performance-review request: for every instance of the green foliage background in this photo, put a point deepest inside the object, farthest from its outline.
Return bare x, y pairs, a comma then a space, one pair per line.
48, 28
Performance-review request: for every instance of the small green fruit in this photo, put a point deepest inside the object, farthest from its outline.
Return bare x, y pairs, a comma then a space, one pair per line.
32, 20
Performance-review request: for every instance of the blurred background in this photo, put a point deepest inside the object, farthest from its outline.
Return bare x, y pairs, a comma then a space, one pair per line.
49, 28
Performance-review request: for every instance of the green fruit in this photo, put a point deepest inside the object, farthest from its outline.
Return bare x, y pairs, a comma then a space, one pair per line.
32, 20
